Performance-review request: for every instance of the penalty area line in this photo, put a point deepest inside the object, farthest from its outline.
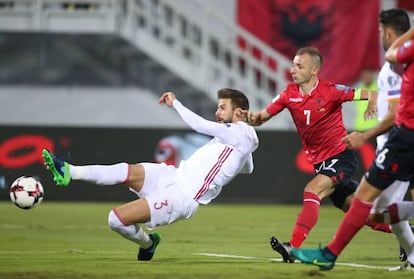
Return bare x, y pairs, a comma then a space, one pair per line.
280, 260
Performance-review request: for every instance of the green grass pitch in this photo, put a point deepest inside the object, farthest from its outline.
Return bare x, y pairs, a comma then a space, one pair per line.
72, 240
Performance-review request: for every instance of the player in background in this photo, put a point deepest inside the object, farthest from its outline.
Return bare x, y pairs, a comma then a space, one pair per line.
394, 163
316, 108
392, 24
168, 193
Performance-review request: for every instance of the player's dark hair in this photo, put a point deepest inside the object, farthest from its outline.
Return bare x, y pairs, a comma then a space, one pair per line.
238, 98
396, 19
313, 52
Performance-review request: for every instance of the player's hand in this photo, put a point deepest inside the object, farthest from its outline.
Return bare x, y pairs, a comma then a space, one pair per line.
254, 119
246, 114
354, 140
167, 99
372, 108
250, 117
370, 113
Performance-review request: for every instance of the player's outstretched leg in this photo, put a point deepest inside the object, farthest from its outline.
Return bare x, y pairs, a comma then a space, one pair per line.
147, 254
58, 168
321, 257
282, 248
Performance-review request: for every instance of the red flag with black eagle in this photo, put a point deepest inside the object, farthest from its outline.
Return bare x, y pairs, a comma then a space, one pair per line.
346, 32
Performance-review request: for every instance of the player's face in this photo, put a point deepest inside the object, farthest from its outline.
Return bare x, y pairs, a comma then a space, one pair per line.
383, 36
224, 112
303, 68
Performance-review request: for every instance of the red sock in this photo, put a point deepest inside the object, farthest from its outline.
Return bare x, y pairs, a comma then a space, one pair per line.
379, 227
355, 218
393, 213
306, 219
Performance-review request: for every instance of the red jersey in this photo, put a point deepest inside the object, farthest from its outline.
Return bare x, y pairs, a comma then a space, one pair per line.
405, 113
317, 116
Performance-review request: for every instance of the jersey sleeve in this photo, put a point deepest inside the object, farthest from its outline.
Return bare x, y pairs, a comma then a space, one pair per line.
277, 104
405, 53
343, 93
204, 126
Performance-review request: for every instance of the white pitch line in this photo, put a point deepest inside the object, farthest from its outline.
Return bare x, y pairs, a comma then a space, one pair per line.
280, 260
66, 227
236, 257
71, 251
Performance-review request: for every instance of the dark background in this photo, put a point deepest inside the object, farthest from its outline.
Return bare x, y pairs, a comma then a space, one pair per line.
279, 177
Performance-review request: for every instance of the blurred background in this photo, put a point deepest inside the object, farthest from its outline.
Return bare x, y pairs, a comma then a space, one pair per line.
83, 78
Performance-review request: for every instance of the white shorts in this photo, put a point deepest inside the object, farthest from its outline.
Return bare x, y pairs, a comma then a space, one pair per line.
168, 198
393, 193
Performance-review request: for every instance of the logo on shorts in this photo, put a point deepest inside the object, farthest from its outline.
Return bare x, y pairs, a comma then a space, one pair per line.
327, 167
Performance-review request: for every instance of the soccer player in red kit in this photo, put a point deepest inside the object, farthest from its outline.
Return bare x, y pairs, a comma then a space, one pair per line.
395, 161
316, 109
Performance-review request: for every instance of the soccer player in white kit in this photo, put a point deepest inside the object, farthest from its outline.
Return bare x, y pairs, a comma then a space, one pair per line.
168, 194
393, 23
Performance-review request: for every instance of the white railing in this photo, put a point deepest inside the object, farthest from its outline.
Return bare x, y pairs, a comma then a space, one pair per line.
209, 50
204, 48
93, 16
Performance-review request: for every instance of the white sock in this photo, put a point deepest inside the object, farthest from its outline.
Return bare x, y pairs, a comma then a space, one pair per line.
100, 174
402, 231
132, 232
406, 210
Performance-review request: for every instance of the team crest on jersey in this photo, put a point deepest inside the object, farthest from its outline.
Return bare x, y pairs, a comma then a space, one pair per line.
392, 81
344, 88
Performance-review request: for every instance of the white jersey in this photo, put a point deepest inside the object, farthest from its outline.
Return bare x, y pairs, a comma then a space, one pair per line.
217, 162
389, 88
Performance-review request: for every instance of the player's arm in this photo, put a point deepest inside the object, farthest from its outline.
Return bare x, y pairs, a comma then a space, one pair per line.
196, 122
372, 97
258, 118
357, 139
275, 107
365, 94
391, 53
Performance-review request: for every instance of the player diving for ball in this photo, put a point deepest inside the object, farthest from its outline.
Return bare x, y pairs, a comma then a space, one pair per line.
167, 193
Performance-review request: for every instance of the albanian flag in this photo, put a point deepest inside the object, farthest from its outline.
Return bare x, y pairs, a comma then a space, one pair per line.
346, 32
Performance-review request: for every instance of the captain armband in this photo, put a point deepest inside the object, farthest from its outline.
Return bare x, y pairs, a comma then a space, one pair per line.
357, 94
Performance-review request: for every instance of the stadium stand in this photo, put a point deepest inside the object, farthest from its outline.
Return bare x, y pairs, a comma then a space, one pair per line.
154, 44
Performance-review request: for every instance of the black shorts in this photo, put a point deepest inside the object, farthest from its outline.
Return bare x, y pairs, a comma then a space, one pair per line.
340, 168
395, 161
